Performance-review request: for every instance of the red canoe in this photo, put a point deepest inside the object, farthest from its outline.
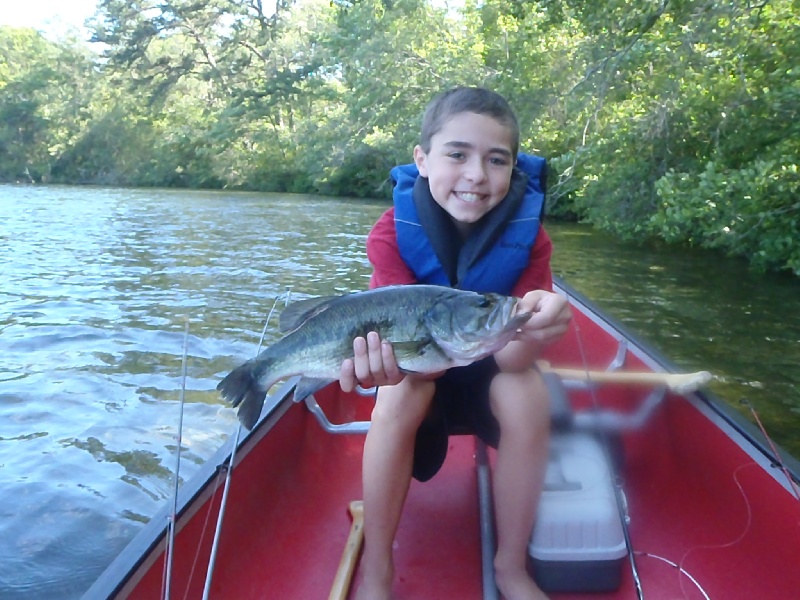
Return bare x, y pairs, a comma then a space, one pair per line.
650, 493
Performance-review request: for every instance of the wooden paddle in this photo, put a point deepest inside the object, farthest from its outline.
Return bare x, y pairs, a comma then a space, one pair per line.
681, 383
347, 566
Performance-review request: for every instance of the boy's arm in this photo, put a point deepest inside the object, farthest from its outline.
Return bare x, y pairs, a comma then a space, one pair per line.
537, 274
388, 267
551, 312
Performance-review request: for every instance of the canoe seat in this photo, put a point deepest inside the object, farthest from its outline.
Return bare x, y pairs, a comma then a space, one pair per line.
561, 416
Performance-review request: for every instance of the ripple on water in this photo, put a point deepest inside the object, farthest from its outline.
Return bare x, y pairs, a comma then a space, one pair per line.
47, 530
97, 286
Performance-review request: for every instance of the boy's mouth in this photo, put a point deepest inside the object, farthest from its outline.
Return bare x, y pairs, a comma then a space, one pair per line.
468, 197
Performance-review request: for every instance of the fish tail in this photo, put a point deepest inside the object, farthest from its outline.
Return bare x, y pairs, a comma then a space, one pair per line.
241, 388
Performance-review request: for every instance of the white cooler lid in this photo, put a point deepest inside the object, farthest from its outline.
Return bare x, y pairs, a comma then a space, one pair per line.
577, 517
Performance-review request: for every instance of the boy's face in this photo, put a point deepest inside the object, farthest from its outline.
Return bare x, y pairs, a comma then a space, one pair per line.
469, 165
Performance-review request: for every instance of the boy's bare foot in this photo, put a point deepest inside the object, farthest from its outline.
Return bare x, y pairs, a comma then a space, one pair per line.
376, 585
517, 585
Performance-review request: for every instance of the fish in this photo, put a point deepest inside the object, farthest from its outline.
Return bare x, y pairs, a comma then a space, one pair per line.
431, 329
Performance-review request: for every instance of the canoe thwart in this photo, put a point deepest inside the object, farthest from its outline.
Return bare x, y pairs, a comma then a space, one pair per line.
358, 427
680, 383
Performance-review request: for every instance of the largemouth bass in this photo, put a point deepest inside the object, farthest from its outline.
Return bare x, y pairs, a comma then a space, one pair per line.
431, 328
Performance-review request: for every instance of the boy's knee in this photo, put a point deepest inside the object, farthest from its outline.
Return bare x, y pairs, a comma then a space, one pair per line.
520, 398
404, 405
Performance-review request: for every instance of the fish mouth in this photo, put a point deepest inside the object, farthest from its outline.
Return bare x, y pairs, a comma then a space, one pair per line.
505, 313
500, 319
484, 335
499, 326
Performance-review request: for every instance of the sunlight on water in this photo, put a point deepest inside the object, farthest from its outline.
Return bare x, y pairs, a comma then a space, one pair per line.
97, 285
702, 311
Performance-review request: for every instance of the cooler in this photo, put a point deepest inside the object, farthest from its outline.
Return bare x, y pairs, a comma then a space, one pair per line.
578, 544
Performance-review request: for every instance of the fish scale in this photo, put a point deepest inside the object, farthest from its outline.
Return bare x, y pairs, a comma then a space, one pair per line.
431, 328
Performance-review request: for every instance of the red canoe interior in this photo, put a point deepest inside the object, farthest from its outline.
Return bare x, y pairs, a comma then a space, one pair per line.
696, 498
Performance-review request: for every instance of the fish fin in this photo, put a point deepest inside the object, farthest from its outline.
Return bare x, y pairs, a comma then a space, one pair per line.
425, 352
300, 311
308, 385
409, 350
240, 388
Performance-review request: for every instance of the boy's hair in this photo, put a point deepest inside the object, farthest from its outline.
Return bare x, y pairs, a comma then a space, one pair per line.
467, 99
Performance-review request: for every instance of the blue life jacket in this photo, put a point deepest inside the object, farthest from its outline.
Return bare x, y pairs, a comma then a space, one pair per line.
496, 253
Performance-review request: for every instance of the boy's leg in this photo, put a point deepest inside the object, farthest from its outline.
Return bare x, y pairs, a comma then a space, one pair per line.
520, 403
388, 460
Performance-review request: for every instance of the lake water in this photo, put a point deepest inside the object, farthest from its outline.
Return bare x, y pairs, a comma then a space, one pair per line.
97, 286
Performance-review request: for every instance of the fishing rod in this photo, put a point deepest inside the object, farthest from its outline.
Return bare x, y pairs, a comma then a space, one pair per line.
167, 576
778, 459
212, 559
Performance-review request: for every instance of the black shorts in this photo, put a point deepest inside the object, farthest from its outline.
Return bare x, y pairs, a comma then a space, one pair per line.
460, 405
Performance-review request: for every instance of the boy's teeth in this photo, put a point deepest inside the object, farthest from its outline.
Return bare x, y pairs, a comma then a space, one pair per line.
467, 197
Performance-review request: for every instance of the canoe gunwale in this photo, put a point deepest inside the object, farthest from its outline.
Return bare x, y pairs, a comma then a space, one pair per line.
719, 411
123, 574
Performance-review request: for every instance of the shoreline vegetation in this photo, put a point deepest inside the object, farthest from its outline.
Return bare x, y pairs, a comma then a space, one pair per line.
675, 121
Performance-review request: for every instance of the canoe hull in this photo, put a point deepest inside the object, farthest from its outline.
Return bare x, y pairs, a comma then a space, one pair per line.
708, 510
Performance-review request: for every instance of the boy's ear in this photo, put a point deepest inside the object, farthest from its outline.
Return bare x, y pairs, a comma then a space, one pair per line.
420, 159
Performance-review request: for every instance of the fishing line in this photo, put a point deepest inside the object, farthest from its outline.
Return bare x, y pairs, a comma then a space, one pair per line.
681, 569
679, 564
621, 502
166, 576
202, 534
212, 559
740, 537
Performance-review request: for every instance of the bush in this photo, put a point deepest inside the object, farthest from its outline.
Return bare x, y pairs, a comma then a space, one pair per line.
752, 211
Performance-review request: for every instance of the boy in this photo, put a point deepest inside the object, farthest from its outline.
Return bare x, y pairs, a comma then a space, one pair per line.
469, 219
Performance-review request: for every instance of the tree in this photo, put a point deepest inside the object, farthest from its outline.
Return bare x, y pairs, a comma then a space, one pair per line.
45, 89
671, 119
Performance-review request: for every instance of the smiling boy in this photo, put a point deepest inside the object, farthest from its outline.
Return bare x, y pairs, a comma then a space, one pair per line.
466, 214
464, 183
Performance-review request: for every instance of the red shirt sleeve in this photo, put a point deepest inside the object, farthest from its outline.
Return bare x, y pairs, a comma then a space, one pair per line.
388, 267
537, 275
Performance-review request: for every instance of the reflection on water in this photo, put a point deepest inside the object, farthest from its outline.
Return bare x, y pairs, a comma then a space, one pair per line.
95, 291
702, 311
96, 288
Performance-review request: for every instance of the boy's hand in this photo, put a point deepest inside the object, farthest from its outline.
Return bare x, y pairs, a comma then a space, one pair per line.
373, 363
550, 319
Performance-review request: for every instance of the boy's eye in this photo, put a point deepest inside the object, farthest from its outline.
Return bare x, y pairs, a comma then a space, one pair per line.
456, 155
497, 160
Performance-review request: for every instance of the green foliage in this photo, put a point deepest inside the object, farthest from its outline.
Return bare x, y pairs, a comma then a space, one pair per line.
753, 210
44, 97
676, 120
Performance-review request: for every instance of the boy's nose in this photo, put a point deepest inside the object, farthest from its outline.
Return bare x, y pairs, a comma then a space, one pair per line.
475, 171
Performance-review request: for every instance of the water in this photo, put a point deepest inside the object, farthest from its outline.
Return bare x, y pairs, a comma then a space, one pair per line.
704, 312
95, 291
96, 288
